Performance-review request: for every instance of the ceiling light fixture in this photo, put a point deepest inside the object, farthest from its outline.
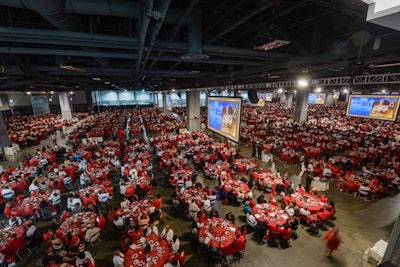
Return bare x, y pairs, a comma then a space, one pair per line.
302, 83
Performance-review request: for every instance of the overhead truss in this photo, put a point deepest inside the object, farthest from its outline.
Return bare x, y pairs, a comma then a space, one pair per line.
376, 79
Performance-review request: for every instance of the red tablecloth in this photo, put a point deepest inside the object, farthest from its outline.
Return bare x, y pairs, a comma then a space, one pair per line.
313, 203
157, 257
135, 208
269, 213
77, 223
6, 247
217, 232
194, 194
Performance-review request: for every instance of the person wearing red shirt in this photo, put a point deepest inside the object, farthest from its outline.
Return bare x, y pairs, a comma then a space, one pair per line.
180, 256
240, 243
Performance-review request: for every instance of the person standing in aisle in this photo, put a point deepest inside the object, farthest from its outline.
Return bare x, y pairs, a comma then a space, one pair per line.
332, 241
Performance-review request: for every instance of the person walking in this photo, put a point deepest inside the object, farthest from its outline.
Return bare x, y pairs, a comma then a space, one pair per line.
332, 241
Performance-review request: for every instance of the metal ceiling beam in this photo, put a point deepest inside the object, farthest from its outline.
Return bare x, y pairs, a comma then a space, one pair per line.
64, 52
244, 19
207, 61
66, 38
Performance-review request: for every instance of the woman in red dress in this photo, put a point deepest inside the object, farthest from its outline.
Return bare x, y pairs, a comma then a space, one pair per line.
332, 241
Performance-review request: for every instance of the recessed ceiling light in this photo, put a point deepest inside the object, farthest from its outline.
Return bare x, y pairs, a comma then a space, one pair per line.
96, 79
106, 82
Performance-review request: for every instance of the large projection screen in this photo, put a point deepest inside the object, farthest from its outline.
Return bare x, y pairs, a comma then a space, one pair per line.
373, 107
224, 115
318, 99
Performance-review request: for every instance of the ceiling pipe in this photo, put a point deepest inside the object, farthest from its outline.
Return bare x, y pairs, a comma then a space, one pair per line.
161, 9
64, 52
53, 11
115, 8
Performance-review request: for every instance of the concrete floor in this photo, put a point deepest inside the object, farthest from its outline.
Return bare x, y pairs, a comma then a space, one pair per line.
361, 225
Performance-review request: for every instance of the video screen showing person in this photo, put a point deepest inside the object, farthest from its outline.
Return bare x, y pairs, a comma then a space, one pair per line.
224, 116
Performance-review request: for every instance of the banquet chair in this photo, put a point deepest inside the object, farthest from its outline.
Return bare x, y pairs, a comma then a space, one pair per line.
45, 210
22, 251
95, 242
68, 183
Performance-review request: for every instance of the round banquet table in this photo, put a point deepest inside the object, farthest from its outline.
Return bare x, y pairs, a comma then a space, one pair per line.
194, 194
157, 257
138, 207
269, 213
236, 186
77, 223
5, 239
312, 203
217, 232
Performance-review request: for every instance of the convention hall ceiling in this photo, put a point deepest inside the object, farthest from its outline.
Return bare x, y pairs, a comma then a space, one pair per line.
164, 44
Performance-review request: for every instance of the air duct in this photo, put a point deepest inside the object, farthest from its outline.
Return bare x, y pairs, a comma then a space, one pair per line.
194, 37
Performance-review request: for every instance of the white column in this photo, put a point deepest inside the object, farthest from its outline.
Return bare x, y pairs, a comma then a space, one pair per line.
65, 105
193, 122
4, 139
300, 110
164, 101
329, 99
289, 100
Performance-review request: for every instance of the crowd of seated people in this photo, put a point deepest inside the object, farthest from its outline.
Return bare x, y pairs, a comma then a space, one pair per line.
29, 130
158, 122
327, 134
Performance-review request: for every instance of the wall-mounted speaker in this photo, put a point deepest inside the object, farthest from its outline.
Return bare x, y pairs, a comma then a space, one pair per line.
253, 97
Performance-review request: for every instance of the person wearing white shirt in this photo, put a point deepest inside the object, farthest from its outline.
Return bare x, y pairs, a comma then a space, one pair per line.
55, 199
15, 221
33, 186
188, 183
168, 233
73, 201
251, 220
118, 259
84, 179
103, 196
207, 205
175, 244
180, 183
7, 193
92, 234
125, 203
118, 221
83, 258
212, 198
290, 210
152, 229
193, 210
31, 229
305, 212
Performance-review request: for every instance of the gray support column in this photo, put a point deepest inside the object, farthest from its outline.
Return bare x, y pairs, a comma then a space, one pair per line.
329, 99
300, 109
4, 139
164, 102
155, 100
193, 122
65, 105
282, 98
89, 100
289, 100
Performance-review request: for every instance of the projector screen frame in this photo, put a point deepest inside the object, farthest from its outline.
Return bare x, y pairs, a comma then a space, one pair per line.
226, 100
378, 98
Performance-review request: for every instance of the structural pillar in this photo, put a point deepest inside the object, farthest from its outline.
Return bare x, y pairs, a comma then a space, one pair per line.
193, 122
329, 99
155, 100
65, 106
300, 109
164, 102
289, 100
4, 139
282, 98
